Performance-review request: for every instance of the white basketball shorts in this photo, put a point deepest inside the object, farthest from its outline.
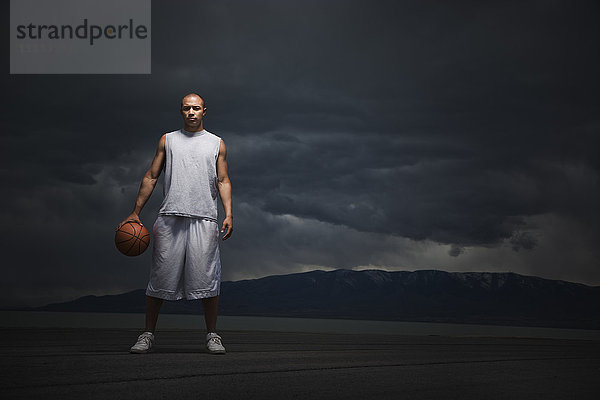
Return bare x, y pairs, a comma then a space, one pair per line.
185, 258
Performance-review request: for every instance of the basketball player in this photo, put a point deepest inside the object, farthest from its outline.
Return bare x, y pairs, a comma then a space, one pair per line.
185, 257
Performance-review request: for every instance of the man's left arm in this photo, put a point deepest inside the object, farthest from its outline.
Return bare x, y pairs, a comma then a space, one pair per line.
224, 185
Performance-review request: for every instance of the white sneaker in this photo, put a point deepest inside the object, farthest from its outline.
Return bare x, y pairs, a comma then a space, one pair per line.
144, 343
213, 343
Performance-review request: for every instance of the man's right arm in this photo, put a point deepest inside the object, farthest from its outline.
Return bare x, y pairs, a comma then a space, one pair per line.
148, 182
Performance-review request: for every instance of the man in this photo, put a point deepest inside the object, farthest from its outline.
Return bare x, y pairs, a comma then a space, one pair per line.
185, 257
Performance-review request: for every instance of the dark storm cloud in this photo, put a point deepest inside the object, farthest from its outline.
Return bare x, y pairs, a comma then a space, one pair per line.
523, 240
456, 251
450, 198
449, 123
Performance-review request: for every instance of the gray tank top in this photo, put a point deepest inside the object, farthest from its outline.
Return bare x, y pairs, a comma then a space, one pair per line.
190, 187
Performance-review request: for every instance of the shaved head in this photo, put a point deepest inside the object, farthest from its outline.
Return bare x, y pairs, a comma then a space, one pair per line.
192, 110
193, 97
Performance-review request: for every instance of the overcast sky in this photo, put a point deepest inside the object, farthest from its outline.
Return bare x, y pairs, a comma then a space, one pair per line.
393, 135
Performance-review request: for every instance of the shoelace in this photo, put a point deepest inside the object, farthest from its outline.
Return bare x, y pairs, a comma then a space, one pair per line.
216, 339
145, 338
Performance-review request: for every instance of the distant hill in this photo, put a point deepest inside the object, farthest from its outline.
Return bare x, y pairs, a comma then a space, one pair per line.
425, 295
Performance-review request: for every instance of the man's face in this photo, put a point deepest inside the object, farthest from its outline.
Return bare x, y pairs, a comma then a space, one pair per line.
192, 111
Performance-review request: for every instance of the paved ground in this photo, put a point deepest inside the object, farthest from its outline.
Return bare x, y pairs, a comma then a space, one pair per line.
95, 364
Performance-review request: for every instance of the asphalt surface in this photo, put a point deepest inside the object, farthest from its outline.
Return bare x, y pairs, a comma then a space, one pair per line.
95, 364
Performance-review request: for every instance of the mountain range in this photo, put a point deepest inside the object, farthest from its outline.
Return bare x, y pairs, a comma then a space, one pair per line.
423, 295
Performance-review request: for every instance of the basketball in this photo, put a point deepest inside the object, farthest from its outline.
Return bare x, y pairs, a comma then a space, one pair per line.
132, 239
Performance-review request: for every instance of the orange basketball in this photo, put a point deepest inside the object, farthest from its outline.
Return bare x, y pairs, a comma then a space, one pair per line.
132, 239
